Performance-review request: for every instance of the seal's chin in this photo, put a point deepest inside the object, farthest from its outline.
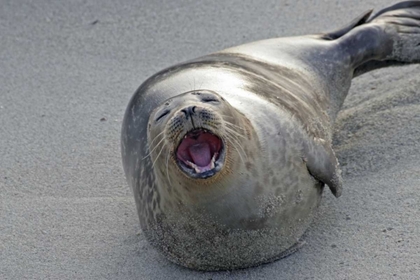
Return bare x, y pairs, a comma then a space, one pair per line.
200, 154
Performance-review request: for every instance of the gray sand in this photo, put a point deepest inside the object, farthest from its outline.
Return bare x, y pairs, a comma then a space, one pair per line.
66, 211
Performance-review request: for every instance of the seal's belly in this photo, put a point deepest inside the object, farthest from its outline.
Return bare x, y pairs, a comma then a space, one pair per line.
221, 238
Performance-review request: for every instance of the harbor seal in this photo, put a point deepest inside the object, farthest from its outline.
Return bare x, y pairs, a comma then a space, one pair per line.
228, 154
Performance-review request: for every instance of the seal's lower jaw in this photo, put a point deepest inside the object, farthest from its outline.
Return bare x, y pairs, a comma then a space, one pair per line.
200, 154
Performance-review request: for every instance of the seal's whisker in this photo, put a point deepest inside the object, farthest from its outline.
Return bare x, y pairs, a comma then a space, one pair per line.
156, 137
163, 146
235, 141
192, 86
243, 150
234, 125
157, 145
239, 152
167, 170
235, 132
234, 136
226, 116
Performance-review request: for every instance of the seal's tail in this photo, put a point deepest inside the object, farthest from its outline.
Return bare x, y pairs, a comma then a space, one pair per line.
388, 38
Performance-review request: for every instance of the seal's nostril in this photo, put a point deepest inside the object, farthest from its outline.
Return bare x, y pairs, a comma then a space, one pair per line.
189, 111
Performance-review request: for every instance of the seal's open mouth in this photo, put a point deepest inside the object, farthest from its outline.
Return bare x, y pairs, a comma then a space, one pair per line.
199, 153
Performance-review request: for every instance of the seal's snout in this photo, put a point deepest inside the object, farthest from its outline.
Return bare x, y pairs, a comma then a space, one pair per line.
200, 153
189, 111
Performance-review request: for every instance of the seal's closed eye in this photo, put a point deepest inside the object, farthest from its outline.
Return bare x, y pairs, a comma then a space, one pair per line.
209, 99
162, 115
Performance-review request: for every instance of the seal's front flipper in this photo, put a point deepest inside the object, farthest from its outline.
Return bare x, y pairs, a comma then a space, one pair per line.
390, 37
322, 164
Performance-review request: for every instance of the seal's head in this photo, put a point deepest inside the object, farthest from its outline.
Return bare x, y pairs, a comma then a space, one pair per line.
196, 135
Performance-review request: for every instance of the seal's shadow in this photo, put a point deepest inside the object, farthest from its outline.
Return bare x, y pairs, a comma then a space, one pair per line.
379, 122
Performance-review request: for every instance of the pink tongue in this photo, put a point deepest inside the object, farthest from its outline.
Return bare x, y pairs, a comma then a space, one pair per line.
200, 154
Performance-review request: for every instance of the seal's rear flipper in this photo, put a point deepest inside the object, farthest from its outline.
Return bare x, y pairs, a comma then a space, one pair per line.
343, 30
388, 38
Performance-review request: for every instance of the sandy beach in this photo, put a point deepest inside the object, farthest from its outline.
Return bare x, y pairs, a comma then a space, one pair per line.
67, 72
